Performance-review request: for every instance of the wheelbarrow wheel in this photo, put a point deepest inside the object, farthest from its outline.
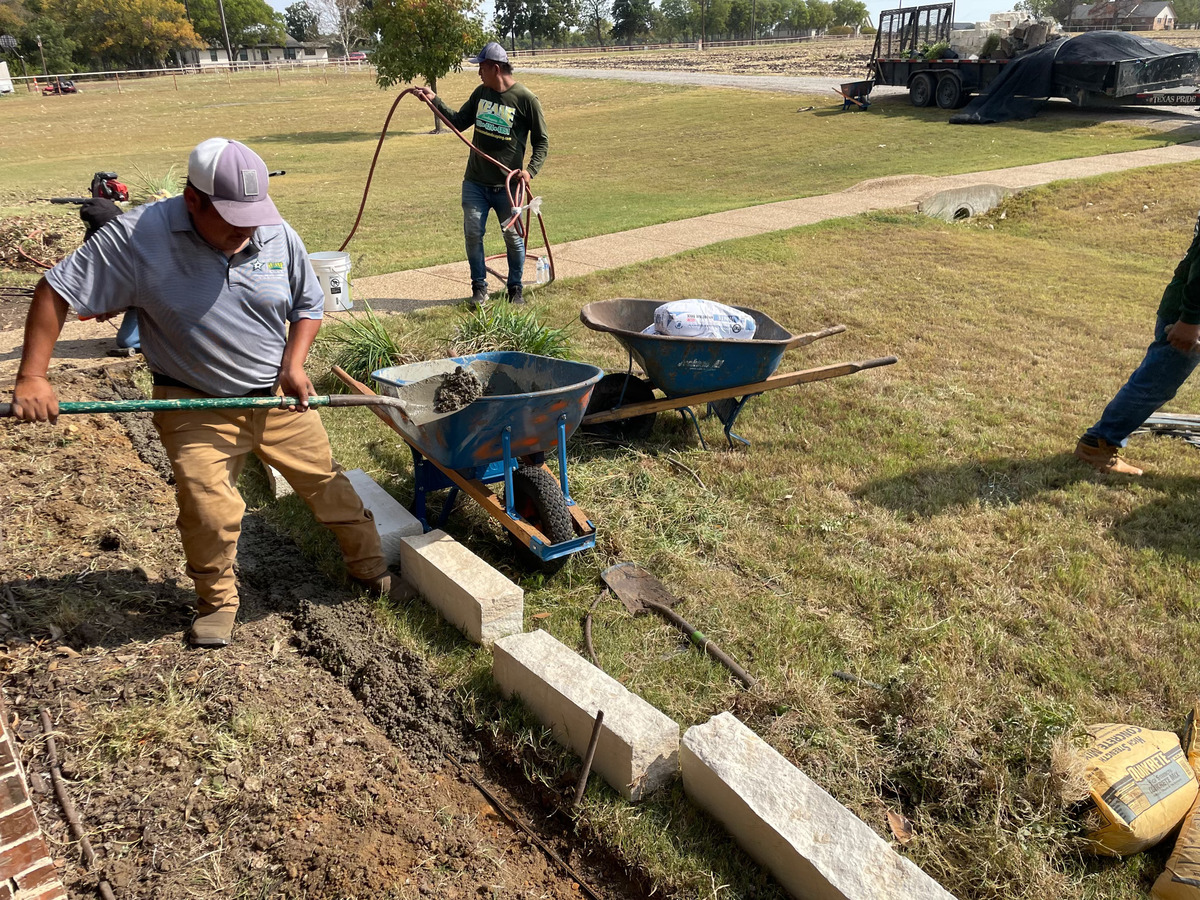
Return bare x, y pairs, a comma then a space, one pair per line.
608, 395
538, 499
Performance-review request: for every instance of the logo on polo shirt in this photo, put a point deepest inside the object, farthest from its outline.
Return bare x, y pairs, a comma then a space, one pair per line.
269, 269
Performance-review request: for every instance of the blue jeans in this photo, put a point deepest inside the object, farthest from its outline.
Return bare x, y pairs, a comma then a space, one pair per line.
1151, 385
477, 201
127, 334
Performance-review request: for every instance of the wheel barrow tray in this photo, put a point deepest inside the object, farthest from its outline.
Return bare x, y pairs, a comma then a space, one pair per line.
531, 405
722, 373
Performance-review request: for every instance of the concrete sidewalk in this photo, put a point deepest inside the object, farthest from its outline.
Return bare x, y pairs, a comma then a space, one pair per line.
445, 284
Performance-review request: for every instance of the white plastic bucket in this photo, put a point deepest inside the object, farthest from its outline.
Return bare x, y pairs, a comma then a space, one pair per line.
333, 271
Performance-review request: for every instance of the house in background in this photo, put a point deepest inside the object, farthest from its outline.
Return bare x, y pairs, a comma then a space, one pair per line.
303, 52
1122, 15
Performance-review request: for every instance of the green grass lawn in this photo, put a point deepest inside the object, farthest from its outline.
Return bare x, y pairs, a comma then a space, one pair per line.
922, 526
622, 155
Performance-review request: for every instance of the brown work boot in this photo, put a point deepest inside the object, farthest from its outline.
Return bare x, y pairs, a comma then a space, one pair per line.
390, 584
213, 628
479, 296
1104, 458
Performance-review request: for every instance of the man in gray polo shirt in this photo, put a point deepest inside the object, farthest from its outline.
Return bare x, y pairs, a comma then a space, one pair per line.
228, 306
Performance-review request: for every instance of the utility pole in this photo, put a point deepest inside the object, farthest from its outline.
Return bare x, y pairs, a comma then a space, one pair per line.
45, 71
225, 31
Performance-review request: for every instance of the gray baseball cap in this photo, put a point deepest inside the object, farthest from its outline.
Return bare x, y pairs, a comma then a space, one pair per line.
492, 52
235, 177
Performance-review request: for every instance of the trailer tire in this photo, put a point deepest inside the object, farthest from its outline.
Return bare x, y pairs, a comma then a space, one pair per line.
949, 92
539, 500
921, 90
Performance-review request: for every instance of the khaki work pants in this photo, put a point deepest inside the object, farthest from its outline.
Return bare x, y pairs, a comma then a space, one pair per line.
208, 449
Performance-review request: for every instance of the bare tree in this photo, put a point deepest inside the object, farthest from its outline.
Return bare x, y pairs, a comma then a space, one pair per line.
596, 13
344, 19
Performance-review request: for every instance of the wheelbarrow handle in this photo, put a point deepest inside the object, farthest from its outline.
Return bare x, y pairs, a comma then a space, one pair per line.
119, 406
803, 340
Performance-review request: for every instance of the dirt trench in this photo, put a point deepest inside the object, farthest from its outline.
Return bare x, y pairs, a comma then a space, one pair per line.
308, 759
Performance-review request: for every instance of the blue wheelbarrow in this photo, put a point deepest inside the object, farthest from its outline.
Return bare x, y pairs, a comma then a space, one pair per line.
530, 406
722, 373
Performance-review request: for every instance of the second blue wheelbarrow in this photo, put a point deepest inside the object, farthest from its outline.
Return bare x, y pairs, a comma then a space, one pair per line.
722, 373
530, 405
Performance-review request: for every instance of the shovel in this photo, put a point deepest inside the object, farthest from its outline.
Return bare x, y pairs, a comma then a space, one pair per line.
120, 406
641, 592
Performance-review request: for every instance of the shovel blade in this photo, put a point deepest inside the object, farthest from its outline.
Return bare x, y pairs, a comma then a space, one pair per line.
634, 585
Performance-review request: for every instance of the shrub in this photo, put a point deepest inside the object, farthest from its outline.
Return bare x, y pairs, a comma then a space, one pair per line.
936, 51
502, 326
363, 344
146, 188
841, 29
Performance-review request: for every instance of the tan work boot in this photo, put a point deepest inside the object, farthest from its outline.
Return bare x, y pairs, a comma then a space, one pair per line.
213, 628
389, 584
1104, 458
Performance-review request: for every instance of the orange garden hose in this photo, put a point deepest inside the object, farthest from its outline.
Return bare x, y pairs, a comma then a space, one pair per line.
516, 198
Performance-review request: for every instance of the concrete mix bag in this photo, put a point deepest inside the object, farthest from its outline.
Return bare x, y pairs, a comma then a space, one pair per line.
1181, 879
1140, 787
702, 319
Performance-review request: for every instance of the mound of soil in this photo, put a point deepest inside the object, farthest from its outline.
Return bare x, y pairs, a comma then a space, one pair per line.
308, 759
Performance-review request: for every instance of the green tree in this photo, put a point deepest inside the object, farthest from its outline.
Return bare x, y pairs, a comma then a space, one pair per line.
302, 21
1188, 12
122, 33
820, 15
422, 38
631, 18
849, 12
250, 22
58, 47
677, 19
795, 15
561, 17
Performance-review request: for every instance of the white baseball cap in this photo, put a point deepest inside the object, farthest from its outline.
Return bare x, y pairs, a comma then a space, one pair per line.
235, 178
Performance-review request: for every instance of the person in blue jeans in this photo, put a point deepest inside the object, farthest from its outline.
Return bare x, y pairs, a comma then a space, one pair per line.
1169, 360
506, 116
96, 212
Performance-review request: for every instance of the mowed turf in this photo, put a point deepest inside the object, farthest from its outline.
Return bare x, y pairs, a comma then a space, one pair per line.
921, 526
622, 155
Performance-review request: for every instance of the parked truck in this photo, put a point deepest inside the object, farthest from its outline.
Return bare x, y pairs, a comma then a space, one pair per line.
913, 50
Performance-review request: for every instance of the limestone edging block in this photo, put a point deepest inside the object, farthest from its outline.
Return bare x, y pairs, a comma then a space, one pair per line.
815, 847
471, 595
392, 520
638, 750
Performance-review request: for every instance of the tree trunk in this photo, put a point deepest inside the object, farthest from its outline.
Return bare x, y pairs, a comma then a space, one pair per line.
437, 121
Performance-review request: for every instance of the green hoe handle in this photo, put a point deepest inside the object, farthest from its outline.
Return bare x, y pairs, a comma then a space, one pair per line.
118, 406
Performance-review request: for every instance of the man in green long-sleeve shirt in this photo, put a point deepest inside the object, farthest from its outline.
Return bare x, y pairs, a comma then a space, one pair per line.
505, 115
1169, 360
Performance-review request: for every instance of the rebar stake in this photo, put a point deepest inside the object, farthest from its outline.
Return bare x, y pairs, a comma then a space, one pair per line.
587, 759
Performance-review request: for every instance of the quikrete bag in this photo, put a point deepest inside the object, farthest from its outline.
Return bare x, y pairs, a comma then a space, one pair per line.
1181, 879
1140, 787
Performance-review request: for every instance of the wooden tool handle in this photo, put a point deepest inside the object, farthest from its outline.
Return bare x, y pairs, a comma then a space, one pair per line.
803, 340
700, 639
